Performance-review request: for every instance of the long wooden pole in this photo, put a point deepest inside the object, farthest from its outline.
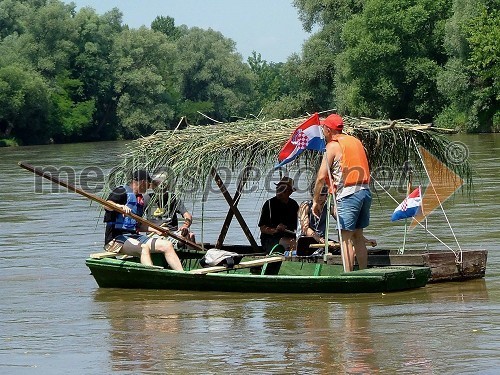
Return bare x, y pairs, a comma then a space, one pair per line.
109, 205
408, 191
332, 195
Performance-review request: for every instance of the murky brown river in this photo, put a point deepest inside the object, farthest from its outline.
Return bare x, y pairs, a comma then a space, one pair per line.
55, 320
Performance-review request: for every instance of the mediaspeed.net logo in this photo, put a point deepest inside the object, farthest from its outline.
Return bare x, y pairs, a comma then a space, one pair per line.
261, 179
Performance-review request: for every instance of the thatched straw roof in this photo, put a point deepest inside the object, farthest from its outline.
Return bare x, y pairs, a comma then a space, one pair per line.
191, 152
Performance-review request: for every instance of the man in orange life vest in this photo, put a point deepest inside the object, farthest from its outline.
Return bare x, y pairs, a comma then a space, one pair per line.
345, 161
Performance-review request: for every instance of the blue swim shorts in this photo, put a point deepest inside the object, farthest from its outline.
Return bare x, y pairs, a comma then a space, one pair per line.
139, 237
354, 210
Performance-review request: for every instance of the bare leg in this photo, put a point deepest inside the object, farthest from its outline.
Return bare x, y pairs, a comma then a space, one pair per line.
135, 248
146, 255
166, 247
359, 244
348, 249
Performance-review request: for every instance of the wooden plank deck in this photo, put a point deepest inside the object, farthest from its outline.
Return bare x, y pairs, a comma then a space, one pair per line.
250, 263
442, 263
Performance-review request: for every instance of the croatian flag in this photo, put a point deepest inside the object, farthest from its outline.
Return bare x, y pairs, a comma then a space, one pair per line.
409, 207
308, 136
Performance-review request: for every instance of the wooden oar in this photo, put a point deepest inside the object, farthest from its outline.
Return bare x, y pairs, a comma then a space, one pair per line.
322, 245
250, 263
288, 231
373, 243
109, 205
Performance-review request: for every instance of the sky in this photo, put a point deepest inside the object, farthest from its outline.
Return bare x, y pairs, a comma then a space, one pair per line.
269, 27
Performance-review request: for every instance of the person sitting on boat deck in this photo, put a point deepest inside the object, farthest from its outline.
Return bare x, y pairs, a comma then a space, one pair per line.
312, 229
162, 208
122, 229
347, 163
278, 218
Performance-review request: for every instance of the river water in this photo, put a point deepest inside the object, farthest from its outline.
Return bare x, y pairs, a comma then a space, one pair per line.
55, 320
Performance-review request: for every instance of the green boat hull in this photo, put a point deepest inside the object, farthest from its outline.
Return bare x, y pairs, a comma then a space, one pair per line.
288, 277
445, 265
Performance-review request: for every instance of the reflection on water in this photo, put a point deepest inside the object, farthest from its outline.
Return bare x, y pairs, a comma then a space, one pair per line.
54, 316
408, 332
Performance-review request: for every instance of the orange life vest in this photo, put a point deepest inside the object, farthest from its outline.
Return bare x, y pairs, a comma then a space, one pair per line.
353, 163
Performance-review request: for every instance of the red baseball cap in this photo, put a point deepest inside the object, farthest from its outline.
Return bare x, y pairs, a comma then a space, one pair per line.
334, 122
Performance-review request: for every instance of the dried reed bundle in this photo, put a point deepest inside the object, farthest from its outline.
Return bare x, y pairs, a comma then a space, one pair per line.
191, 152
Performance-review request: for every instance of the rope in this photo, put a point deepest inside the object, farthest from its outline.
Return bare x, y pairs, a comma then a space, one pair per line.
419, 223
458, 256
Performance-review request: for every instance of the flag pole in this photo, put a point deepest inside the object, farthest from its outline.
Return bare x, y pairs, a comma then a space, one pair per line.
402, 250
330, 196
327, 226
408, 191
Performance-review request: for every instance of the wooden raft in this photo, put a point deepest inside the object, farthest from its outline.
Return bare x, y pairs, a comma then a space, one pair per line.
250, 263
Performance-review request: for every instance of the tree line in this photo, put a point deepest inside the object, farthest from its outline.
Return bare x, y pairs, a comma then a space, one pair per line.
68, 75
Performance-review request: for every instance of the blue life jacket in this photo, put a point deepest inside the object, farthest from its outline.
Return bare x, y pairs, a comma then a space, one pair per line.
126, 223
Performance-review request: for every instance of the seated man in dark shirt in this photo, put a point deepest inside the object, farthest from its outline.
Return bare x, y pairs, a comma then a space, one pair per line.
278, 218
124, 230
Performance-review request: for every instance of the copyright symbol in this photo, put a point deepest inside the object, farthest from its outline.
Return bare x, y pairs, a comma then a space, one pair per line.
457, 153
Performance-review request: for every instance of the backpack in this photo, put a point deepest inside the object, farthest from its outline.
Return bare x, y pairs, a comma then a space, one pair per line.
216, 257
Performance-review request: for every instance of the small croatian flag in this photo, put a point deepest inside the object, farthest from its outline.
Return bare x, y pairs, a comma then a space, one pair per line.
409, 207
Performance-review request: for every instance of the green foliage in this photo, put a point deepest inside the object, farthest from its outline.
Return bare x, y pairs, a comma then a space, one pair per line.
11, 14
143, 81
195, 110
51, 36
484, 40
68, 75
391, 58
71, 115
269, 84
452, 117
106, 81
24, 105
316, 70
327, 12
470, 81
425, 59
210, 70
166, 25
95, 69
8, 142
288, 106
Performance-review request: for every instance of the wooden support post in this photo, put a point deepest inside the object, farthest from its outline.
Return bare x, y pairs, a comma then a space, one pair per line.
235, 210
229, 216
